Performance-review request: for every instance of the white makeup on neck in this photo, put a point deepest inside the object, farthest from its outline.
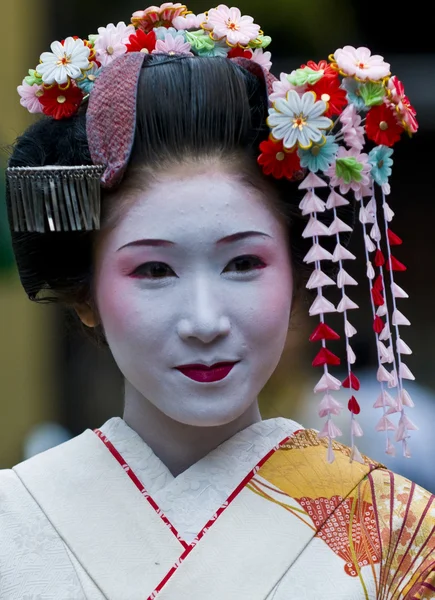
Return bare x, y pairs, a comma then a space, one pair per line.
172, 289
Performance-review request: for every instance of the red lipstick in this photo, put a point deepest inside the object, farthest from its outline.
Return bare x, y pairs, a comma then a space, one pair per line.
205, 374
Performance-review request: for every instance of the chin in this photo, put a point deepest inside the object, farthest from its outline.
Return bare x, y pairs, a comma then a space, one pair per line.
209, 419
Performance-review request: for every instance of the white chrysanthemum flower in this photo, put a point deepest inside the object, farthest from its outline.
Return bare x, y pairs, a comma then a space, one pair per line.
65, 60
298, 120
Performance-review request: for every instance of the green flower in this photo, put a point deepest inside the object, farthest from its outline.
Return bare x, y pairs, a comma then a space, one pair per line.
349, 169
203, 45
93, 37
199, 41
262, 41
303, 76
33, 78
372, 93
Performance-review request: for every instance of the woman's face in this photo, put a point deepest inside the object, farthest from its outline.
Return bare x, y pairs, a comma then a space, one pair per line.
197, 271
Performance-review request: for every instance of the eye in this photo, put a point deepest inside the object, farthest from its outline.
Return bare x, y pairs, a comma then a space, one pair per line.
245, 264
153, 270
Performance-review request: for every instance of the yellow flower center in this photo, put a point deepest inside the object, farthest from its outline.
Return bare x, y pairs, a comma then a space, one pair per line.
233, 26
325, 97
380, 164
383, 125
299, 122
280, 156
61, 99
110, 50
145, 50
171, 53
315, 150
39, 93
91, 77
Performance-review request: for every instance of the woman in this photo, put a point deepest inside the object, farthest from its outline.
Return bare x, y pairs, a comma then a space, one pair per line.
190, 278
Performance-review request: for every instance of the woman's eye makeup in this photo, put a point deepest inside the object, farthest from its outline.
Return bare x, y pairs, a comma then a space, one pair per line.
153, 270
159, 270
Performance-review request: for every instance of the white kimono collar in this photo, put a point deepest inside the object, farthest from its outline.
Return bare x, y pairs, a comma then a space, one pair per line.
193, 497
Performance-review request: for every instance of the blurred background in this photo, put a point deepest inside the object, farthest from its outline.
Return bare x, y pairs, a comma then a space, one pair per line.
54, 383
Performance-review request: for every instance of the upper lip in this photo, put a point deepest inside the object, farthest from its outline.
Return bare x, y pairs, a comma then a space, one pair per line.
212, 365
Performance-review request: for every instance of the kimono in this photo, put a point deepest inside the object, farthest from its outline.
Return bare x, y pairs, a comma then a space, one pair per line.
262, 517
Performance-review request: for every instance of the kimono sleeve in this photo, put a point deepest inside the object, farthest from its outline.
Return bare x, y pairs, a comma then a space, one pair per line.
405, 516
33, 560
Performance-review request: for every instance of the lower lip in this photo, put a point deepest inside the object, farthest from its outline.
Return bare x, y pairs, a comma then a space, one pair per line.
208, 375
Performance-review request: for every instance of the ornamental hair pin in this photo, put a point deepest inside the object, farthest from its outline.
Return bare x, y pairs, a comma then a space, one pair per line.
54, 198
340, 120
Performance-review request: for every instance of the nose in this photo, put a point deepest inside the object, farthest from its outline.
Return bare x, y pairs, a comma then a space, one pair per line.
205, 317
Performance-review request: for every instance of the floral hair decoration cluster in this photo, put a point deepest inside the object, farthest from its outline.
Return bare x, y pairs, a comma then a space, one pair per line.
66, 75
337, 121
333, 126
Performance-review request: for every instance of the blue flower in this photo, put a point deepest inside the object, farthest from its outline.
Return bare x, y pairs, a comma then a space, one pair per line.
319, 157
352, 88
161, 32
218, 50
87, 83
381, 163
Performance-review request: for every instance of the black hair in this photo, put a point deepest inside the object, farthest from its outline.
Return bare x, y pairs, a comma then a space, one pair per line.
186, 106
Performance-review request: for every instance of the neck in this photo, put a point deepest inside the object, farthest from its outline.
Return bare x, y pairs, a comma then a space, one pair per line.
178, 445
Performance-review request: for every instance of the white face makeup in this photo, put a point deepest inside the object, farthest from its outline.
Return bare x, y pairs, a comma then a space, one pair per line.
204, 295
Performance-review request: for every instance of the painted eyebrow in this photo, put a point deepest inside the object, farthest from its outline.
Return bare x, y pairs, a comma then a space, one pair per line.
235, 237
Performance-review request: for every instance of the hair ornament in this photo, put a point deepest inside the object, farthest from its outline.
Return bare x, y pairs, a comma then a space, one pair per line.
333, 127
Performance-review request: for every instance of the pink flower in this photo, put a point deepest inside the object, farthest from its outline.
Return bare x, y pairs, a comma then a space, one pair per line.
189, 21
173, 45
30, 95
402, 104
360, 185
155, 16
281, 87
123, 30
112, 42
352, 130
358, 62
228, 24
262, 58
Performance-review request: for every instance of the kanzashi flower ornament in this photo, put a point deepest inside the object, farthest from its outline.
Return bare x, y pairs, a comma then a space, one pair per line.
338, 120
332, 127
298, 120
66, 75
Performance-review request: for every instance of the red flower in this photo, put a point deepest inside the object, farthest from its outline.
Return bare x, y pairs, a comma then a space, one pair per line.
61, 103
405, 110
329, 90
382, 126
279, 162
142, 42
324, 66
240, 52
